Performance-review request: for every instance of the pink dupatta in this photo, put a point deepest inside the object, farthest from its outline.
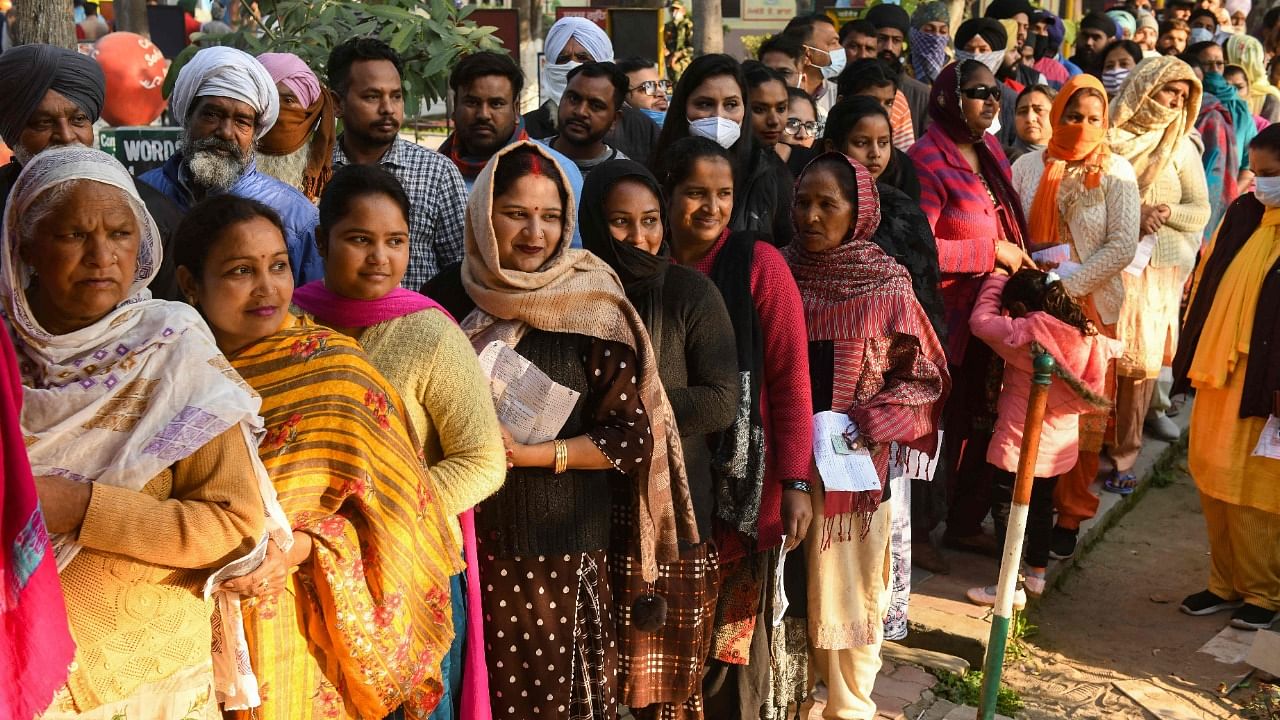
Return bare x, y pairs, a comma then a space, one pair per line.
331, 308
35, 643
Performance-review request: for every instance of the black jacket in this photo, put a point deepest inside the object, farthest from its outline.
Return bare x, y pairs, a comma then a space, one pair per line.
634, 134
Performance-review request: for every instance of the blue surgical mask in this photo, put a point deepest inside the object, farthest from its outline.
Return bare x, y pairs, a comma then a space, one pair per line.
658, 116
1199, 35
833, 70
1267, 190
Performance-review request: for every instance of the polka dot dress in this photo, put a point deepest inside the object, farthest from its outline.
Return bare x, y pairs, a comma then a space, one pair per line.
549, 636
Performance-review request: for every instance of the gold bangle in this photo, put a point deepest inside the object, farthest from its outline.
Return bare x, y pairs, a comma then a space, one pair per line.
562, 457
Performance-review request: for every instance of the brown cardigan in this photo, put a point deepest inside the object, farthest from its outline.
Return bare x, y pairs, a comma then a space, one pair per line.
134, 594
1262, 376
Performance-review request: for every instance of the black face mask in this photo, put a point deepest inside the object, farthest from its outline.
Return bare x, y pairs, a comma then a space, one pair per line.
1040, 46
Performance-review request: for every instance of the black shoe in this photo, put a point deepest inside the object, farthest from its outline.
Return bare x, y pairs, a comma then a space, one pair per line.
1252, 617
1206, 603
1063, 545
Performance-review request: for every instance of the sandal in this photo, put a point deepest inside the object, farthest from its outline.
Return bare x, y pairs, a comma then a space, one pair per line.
1120, 483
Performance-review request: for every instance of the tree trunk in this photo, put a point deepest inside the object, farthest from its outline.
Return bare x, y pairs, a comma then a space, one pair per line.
708, 27
45, 21
527, 22
955, 9
131, 16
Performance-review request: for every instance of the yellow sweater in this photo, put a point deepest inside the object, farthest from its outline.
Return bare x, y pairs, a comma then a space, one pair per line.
429, 360
134, 593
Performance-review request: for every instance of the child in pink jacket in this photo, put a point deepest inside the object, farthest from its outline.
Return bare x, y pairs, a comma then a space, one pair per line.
1019, 317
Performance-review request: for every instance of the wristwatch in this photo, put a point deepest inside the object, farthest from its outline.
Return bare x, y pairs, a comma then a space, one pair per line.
801, 485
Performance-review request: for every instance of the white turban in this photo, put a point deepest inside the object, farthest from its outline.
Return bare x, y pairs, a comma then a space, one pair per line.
229, 73
587, 33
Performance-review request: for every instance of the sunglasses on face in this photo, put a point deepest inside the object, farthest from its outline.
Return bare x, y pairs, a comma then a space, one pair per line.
654, 87
795, 125
982, 92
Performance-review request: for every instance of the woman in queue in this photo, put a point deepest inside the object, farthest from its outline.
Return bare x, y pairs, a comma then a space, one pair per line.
1078, 184
353, 620
544, 537
138, 434
875, 362
711, 102
622, 223
1151, 119
417, 346
1246, 52
762, 461
1228, 354
1031, 127
978, 223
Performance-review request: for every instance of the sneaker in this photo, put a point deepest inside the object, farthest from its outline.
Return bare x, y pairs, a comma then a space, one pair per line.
1063, 545
1160, 427
1252, 617
986, 596
1206, 603
1034, 585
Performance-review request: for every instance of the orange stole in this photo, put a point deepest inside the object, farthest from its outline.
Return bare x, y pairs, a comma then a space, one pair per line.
366, 619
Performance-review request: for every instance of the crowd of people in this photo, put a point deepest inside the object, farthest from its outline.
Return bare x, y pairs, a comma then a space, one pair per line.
255, 467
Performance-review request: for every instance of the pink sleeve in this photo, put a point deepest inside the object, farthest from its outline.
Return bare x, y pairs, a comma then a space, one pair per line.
992, 326
969, 256
786, 363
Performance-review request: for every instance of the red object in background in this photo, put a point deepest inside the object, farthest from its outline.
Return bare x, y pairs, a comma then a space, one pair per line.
5, 153
135, 70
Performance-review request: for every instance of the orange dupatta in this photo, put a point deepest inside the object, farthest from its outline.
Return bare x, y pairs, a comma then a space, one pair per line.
1070, 143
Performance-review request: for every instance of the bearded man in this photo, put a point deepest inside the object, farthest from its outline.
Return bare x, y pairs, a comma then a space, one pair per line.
226, 101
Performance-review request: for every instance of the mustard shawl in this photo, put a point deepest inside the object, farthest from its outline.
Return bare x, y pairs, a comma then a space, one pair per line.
374, 595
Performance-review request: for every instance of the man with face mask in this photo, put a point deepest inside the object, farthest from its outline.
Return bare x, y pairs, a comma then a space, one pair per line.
984, 40
1096, 30
824, 57
892, 27
927, 40
226, 101
573, 41
53, 96
1045, 39
1015, 15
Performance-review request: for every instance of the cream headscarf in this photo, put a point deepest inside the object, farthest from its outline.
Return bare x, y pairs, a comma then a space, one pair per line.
1144, 132
123, 399
576, 292
1246, 51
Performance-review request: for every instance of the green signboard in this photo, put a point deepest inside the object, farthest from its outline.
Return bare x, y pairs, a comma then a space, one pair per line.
140, 149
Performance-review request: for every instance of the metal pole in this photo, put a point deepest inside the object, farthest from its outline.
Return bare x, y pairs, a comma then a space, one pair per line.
1012, 559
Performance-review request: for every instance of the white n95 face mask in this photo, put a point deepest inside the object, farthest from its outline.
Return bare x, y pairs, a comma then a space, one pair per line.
723, 131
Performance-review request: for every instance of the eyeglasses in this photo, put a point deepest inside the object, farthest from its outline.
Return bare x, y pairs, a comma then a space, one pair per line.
812, 128
982, 92
654, 87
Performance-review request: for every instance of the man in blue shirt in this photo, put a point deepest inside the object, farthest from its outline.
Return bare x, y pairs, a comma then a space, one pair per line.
225, 100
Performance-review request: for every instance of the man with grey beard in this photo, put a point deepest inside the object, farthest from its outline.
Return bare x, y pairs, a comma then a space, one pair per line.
298, 149
53, 96
226, 101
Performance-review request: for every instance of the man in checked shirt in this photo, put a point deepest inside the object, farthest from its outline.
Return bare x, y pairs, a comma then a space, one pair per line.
365, 76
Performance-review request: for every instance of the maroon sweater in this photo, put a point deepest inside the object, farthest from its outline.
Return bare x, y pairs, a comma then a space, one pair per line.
785, 399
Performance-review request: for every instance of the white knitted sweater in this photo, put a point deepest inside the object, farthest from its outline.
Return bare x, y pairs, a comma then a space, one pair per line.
1100, 224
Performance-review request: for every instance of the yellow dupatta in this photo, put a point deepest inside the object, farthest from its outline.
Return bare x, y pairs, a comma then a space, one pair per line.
1229, 324
366, 619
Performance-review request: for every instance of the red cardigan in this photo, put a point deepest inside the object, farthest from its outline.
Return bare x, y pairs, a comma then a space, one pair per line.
964, 222
785, 400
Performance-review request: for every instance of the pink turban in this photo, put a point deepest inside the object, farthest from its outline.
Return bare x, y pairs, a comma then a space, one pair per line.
289, 69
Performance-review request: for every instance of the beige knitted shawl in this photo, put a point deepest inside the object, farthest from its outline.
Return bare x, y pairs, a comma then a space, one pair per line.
1144, 132
576, 292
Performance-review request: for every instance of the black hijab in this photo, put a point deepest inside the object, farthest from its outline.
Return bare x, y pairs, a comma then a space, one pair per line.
641, 274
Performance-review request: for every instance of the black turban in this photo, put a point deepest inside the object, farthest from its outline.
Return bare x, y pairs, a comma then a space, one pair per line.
1098, 21
890, 16
990, 30
1006, 9
27, 72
